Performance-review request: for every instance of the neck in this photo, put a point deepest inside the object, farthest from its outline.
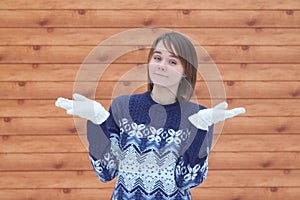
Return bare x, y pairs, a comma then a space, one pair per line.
163, 95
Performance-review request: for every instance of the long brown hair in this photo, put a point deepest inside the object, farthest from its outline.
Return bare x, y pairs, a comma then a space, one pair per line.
183, 48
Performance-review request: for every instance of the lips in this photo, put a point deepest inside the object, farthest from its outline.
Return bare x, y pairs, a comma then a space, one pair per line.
161, 75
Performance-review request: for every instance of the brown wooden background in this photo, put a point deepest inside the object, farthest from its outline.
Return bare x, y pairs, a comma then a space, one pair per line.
255, 43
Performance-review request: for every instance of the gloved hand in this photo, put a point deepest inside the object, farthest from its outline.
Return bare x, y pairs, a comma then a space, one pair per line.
206, 117
84, 108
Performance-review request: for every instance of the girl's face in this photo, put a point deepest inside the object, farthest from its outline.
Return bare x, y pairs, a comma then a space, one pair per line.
165, 69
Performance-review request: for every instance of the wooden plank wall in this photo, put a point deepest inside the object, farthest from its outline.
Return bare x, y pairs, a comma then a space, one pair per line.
255, 43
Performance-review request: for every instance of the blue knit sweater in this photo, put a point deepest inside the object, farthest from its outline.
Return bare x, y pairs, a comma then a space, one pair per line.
152, 149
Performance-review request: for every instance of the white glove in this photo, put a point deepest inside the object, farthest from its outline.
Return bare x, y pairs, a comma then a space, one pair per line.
84, 108
206, 117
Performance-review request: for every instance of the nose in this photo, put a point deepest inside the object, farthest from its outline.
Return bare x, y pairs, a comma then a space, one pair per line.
162, 66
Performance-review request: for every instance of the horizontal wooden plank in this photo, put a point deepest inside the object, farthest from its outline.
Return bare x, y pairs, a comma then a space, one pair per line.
257, 143
37, 125
31, 144
55, 179
254, 160
115, 72
207, 193
248, 178
150, 4
66, 125
94, 36
44, 161
78, 143
107, 90
264, 125
149, 18
137, 54
254, 107
36, 90
58, 194
261, 193
80, 161
88, 179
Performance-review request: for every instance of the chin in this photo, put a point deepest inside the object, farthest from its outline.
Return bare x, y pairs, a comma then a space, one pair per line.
164, 85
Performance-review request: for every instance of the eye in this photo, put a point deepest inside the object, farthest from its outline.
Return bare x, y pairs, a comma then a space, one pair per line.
157, 58
173, 62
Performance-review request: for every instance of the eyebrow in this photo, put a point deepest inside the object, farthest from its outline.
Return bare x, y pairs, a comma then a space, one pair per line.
172, 54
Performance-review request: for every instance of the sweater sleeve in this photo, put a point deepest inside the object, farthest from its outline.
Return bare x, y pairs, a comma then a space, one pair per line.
104, 148
192, 166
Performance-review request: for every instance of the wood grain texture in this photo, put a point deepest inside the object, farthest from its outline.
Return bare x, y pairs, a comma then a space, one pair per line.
255, 107
64, 125
88, 179
74, 143
137, 54
217, 161
113, 72
228, 193
95, 36
255, 45
107, 90
149, 18
151, 4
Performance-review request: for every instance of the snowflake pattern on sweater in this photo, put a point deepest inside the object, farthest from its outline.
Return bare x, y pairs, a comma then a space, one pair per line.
152, 149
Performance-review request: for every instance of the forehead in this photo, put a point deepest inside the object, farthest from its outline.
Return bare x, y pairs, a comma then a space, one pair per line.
162, 48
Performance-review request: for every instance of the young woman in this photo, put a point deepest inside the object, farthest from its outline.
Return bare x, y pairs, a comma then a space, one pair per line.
156, 143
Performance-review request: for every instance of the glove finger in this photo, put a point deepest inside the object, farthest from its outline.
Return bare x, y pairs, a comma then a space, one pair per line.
221, 106
70, 112
61, 99
64, 103
234, 112
79, 97
58, 101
